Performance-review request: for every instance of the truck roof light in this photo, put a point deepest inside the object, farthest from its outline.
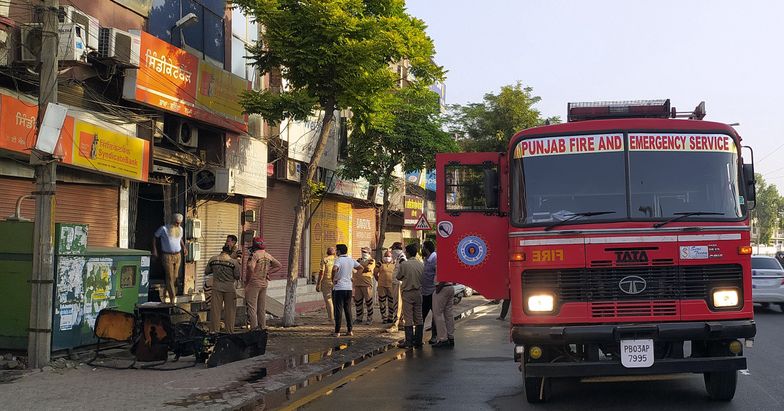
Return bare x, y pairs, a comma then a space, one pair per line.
597, 110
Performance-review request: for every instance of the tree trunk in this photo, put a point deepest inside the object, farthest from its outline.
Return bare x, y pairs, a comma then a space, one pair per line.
382, 225
290, 305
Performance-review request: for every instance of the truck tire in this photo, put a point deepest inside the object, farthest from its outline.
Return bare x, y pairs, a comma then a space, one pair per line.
537, 389
721, 385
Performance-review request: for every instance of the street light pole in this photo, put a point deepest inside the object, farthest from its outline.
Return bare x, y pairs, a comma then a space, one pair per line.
39, 344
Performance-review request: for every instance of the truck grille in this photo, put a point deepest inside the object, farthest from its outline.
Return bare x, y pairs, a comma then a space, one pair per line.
664, 285
634, 309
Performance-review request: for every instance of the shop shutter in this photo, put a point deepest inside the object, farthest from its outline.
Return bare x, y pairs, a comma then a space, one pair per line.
363, 230
95, 205
219, 219
277, 223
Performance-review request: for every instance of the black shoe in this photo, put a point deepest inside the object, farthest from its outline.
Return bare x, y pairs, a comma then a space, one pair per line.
451, 342
357, 321
408, 343
418, 331
443, 344
432, 340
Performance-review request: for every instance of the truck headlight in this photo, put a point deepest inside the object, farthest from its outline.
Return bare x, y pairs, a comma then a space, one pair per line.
540, 303
724, 298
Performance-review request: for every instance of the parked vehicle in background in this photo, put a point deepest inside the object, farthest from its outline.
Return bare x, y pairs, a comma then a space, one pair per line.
767, 281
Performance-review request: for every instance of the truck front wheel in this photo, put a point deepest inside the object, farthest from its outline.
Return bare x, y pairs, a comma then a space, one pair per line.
537, 389
721, 385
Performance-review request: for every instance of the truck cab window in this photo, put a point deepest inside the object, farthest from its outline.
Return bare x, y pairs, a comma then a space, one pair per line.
465, 190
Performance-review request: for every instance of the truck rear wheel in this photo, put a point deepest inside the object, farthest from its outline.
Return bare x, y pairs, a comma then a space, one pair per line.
537, 389
721, 385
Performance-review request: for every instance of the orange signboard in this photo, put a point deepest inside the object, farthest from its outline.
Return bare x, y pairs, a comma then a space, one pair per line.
17, 124
18, 130
167, 76
174, 80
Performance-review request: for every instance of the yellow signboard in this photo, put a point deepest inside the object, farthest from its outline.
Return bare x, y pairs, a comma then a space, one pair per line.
107, 151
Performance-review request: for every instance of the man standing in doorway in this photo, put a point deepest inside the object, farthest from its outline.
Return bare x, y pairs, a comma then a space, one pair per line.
363, 286
172, 244
324, 282
410, 276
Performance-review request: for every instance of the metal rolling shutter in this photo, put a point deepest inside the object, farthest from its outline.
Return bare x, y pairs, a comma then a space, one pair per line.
277, 223
96, 205
363, 230
219, 219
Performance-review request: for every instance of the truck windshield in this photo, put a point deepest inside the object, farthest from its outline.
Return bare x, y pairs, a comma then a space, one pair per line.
668, 175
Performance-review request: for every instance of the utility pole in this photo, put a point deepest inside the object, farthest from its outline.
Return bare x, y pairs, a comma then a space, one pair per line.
39, 345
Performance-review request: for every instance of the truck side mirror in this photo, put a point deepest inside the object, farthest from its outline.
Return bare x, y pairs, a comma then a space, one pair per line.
751, 185
490, 185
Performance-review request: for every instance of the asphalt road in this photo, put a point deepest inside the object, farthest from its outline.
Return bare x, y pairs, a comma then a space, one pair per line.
479, 374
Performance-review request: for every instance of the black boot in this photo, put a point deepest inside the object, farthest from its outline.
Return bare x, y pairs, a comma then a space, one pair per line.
408, 343
418, 334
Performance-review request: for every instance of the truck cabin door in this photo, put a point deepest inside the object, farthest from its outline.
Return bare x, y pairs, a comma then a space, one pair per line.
472, 224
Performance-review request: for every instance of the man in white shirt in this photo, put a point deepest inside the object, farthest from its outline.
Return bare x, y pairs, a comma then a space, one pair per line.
172, 244
342, 272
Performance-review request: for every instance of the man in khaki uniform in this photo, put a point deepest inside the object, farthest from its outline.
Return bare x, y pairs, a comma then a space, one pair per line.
363, 286
324, 282
398, 256
225, 271
387, 297
410, 275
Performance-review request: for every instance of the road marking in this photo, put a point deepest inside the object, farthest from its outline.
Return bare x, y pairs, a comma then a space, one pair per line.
745, 372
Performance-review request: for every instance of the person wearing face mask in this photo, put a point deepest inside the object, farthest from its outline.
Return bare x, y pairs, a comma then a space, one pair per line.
363, 287
385, 276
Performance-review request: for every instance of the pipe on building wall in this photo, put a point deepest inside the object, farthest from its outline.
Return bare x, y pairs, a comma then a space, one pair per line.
18, 214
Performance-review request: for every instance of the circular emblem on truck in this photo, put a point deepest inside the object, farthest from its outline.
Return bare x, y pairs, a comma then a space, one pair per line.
632, 284
472, 250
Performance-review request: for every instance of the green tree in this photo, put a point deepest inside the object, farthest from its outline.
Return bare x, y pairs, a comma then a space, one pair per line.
333, 54
488, 126
406, 130
766, 211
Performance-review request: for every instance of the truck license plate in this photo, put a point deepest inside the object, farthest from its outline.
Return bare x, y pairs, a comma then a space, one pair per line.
637, 353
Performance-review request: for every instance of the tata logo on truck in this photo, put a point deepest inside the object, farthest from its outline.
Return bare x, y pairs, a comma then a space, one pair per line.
631, 256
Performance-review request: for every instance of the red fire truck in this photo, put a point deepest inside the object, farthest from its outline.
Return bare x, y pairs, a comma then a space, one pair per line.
621, 238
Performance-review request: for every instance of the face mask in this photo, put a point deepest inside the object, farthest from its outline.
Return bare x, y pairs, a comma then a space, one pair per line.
396, 253
365, 256
387, 259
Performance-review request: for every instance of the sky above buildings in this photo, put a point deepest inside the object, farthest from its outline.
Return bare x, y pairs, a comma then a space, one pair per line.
726, 53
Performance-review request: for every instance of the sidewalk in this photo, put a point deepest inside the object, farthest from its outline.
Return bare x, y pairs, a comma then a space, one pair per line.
296, 357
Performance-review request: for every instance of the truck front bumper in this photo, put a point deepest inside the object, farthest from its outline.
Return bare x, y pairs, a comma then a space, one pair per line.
718, 331
608, 333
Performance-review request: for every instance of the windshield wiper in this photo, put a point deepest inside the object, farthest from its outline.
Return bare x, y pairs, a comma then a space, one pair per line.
575, 216
681, 216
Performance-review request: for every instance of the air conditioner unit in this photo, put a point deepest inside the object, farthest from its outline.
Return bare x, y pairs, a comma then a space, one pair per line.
121, 46
214, 181
70, 48
187, 134
70, 14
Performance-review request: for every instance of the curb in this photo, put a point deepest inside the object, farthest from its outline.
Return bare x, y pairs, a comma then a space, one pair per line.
284, 398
